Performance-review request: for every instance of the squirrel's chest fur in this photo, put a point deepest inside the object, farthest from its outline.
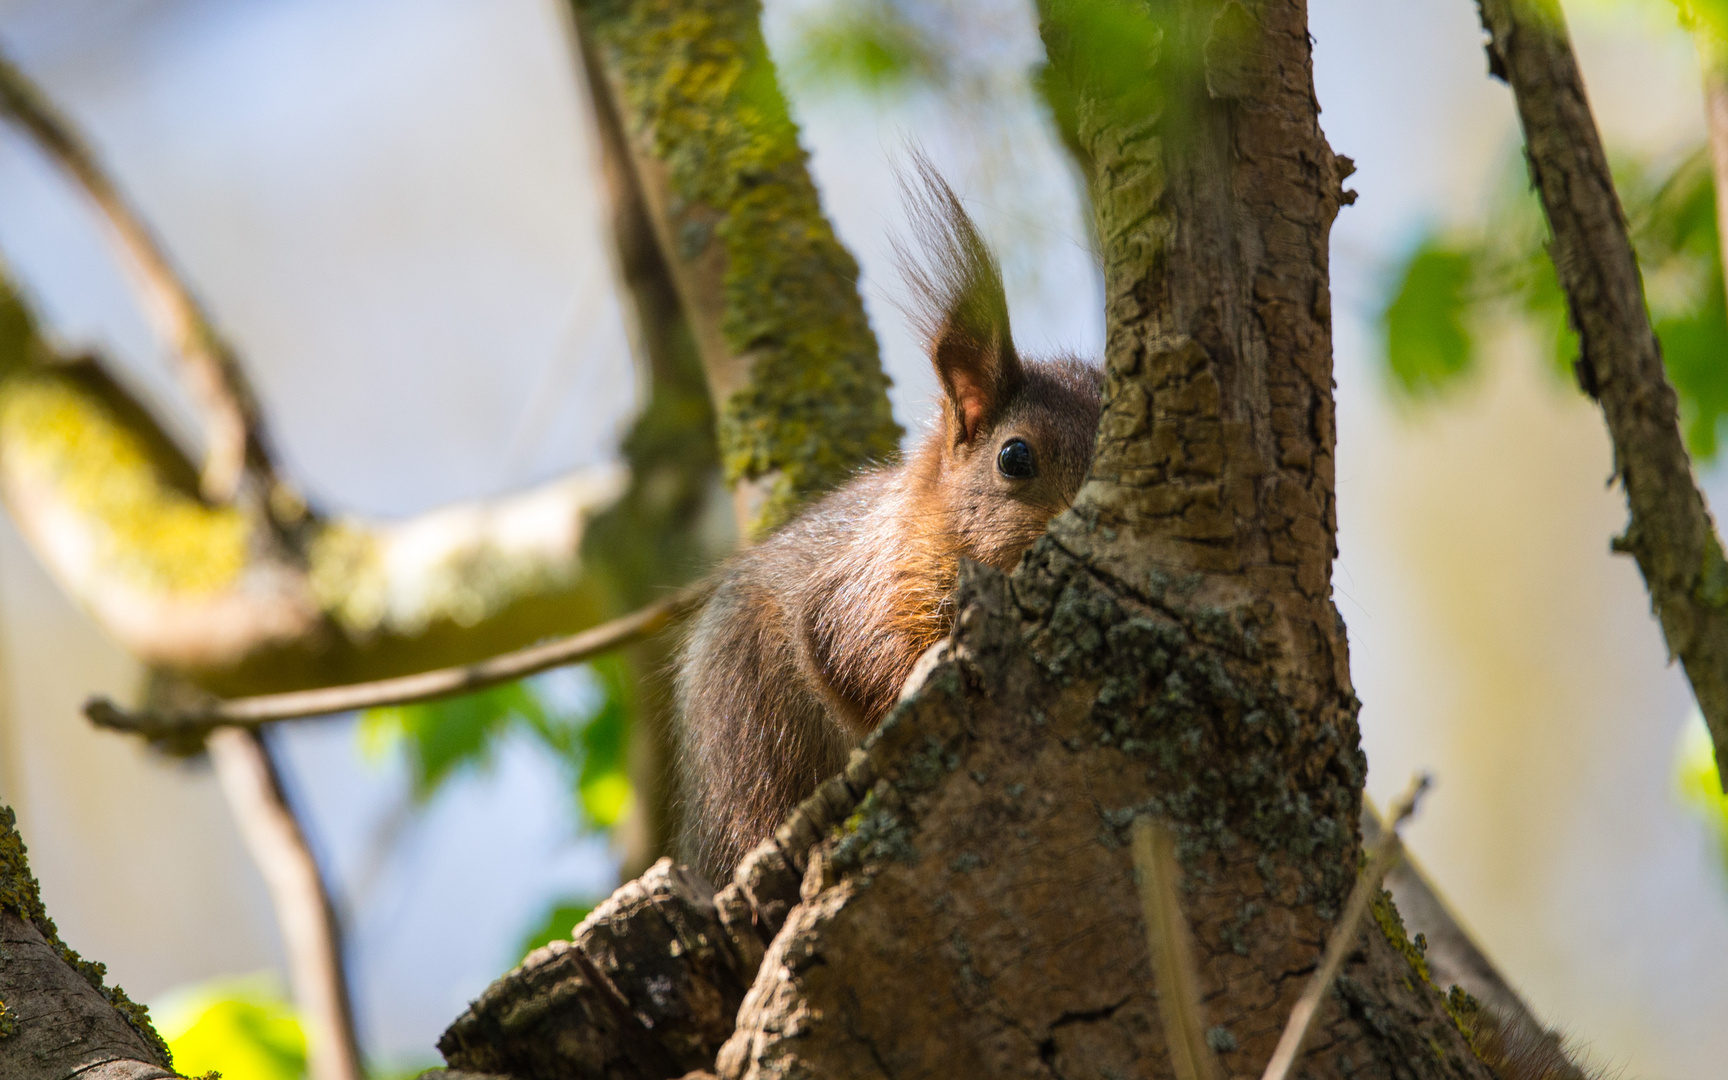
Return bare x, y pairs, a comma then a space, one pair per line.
883, 562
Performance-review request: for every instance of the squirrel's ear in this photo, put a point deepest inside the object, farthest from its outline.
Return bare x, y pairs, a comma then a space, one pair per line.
979, 371
958, 303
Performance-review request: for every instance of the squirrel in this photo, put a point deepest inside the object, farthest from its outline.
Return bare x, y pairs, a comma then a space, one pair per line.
809, 635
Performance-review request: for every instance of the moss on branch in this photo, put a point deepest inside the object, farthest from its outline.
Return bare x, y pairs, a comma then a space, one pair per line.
774, 295
20, 894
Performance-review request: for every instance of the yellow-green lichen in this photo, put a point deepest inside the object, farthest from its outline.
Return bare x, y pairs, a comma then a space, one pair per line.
1392, 925
700, 90
1464, 1010
20, 895
58, 432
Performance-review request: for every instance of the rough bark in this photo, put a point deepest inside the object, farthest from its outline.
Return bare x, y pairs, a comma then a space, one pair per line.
966, 905
770, 294
1170, 649
57, 1017
1670, 533
648, 986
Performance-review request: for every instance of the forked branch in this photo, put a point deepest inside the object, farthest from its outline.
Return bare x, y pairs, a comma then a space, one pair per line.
1620, 363
210, 372
252, 712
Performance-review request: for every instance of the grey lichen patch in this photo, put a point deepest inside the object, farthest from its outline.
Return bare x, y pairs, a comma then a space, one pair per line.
876, 832
1183, 686
700, 94
20, 895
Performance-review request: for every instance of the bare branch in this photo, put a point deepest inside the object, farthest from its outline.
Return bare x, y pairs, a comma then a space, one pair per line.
251, 712
311, 936
1670, 532
1172, 944
1343, 938
230, 414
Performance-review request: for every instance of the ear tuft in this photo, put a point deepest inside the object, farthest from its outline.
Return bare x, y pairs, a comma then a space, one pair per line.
957, 303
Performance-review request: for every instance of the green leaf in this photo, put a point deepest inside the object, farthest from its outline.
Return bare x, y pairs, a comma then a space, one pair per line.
1696, 782
243, 1028
1695, 349
603, 783
1428, 344
1679, 250
869, 44
560, 918
444, 736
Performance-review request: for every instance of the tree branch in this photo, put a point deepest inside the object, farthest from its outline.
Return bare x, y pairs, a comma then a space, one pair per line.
232, 424
311, 936
661, 531
771, 295
253, 712
1670, 533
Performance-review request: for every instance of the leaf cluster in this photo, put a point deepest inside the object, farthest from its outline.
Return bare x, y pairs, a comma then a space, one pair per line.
580, 716
1454, 284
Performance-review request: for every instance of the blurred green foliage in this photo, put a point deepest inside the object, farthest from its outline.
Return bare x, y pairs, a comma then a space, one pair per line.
875, 45
586, 734
580, 715
1427, 345
1699, 785
243, 1028
1453, 283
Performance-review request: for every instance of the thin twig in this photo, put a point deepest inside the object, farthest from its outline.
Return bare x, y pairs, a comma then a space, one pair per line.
1343, 937
250, 712
311, 936
1172, 945
231, 424
1620, 362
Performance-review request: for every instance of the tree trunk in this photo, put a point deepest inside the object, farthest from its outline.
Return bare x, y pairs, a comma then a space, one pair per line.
662, 532
1170, 648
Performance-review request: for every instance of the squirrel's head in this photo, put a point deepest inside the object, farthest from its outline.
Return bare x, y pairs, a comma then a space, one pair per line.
1015, 437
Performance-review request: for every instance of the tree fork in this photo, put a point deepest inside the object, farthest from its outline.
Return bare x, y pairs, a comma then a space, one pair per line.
1170, 648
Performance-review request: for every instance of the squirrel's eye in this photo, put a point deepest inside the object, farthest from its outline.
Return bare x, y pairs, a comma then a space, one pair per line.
1015, 460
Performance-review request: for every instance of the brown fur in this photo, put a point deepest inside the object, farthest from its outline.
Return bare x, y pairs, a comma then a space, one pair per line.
810, 634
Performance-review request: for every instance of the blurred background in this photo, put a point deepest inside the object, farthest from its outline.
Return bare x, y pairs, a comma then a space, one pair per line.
391, 210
